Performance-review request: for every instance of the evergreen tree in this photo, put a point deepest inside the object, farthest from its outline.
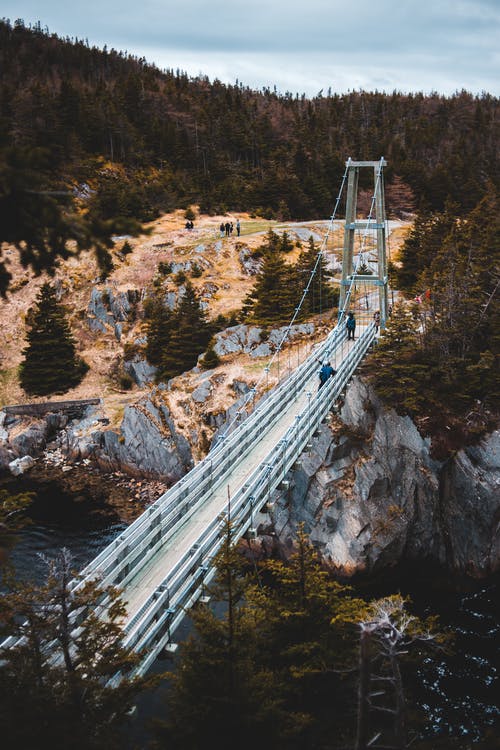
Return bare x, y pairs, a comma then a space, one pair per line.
51, 364
464, 283
273, 298
158, 327
190, 333
439, 359
398, 374
286, 244
272, 243
321, 296
422, 245
303, 611
277, 669
210, 359
54, 683
220, 690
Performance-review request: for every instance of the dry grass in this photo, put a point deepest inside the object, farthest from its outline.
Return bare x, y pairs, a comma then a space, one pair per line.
168, 241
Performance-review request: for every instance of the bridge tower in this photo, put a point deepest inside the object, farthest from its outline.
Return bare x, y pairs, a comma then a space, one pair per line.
379, 280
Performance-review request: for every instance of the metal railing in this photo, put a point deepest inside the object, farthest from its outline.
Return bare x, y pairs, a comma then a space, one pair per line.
151, 627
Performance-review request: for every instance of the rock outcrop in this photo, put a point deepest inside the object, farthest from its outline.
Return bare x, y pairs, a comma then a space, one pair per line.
108, 309
371, 495
255, 341
147, 444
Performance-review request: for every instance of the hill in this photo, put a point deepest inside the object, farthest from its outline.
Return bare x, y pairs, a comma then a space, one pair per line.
141, 141
107, 317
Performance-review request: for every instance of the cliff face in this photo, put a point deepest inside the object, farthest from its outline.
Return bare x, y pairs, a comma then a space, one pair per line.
369, 492
371, 496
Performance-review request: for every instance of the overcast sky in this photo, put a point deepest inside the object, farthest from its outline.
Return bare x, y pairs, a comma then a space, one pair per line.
301, 47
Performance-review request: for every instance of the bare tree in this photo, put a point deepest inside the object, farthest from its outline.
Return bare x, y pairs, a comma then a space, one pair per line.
386, 635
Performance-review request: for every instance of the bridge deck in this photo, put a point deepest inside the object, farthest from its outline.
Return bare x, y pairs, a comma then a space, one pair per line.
152, 574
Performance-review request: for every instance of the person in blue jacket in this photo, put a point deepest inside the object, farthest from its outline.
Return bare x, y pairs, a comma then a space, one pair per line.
326, 372
350, 325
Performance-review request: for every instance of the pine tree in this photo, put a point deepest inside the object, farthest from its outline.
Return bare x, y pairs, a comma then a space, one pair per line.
269, 662
54, 683
190, 333
321, 295
158, 328
464, 283
220, 689
398, 369
285, 244
422, 245
51, 364
273, 297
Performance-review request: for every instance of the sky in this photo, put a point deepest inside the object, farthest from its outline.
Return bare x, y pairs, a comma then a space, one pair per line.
298, 47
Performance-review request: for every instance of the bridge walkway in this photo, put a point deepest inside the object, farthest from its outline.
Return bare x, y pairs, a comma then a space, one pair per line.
153, 573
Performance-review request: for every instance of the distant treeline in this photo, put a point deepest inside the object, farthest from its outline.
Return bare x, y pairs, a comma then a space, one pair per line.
147, 140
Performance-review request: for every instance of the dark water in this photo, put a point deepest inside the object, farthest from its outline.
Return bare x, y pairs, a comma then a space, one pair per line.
58, 519
455, 689
455, 692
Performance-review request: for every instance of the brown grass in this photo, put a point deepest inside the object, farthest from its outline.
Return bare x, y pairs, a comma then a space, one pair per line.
168, 241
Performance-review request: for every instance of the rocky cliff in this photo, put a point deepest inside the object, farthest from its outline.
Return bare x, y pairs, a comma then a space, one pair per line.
371, 496
369, 492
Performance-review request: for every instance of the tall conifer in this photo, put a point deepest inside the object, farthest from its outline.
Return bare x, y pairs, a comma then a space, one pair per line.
158, 328
189, 337
321, 295
273, 298
51, 364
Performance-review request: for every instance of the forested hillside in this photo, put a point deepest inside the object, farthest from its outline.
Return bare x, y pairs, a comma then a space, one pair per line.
147, 140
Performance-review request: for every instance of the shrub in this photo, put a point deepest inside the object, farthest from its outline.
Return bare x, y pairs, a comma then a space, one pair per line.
180, 278
196, 271
210, 360
127, 248
164, 268
125, 381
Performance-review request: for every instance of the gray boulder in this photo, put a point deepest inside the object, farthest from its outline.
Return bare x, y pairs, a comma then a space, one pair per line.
99, 317
108, 309
32, 439
21, 465
140, 370
249, 339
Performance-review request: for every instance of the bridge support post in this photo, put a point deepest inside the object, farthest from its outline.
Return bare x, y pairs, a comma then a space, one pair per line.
352, 224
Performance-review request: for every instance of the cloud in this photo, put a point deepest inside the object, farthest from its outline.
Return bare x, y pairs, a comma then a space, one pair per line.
445, 45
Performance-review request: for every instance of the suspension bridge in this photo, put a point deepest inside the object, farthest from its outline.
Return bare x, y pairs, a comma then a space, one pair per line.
163, 561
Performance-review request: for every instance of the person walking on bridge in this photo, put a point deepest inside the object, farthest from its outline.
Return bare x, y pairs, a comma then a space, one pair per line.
350, 325
326, 372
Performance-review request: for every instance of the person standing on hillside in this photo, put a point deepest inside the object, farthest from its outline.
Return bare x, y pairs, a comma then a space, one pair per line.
222, 229
350, 325
228, 228
238, 227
